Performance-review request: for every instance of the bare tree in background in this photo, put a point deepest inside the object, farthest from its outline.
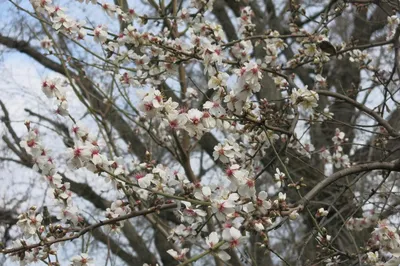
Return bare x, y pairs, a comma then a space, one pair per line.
207, 132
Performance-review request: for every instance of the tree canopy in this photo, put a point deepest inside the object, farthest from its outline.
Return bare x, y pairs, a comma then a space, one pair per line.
201, 132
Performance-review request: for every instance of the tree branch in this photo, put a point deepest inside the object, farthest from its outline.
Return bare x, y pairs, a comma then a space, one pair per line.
392, 166
91, 228
376, 116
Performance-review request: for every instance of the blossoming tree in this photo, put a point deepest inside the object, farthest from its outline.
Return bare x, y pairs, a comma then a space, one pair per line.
209, 132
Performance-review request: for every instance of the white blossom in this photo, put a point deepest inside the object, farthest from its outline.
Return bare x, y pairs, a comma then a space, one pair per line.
82, 260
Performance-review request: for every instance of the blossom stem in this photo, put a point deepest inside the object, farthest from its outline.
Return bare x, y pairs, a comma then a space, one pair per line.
197, 257
199, 202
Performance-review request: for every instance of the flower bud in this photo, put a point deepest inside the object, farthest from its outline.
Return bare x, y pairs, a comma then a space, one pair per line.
294, 215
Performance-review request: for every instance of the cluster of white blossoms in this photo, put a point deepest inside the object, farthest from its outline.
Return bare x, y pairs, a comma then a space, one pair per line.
247, 84
310, 50
26, 257
226, 204
303, 149
369, 219
227, 152
393, 23
246, 26
384, 244
273, 46
31, 222
86, 153
321, 212
305, 98
386, 236
338, 158
117, 209
385, 239
279, 178
145, 60
61, 22
56, 88
358, 56
44, 164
